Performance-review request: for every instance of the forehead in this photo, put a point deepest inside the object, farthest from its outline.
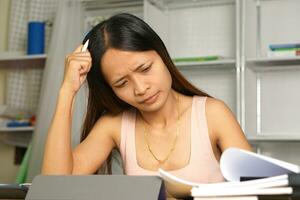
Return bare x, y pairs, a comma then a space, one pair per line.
117, 62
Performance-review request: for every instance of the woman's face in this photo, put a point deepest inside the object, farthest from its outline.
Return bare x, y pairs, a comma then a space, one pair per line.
141, 79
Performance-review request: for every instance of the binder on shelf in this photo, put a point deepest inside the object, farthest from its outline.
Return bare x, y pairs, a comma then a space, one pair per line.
274, 47
283, 50
197, 59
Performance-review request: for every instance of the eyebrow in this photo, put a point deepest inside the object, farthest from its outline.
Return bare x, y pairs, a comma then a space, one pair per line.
136, 69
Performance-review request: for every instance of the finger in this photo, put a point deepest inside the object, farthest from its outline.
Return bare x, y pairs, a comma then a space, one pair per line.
83, 73
81, 57
79, 64
76, 61
83, 54
84, 66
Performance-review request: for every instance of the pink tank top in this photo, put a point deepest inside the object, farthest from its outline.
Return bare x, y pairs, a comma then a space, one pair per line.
202, 167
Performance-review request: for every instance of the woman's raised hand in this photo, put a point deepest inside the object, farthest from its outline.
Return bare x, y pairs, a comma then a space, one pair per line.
77, 65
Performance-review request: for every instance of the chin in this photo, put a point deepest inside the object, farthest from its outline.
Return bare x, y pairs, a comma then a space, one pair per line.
150, 108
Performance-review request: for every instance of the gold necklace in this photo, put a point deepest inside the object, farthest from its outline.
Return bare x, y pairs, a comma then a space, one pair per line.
162, 161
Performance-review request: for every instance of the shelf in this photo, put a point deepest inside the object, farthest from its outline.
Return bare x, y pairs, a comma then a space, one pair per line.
110, 4
216, 64
262, 64
274, 138
17, 136
19, 60
17, 129
165, 5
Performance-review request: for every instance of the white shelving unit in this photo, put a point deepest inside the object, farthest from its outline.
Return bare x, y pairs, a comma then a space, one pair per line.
201, 28
271, 85
96, 11
261, 91
271, 97
19, 136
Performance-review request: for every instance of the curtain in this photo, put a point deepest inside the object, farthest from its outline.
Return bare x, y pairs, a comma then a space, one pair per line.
67, 34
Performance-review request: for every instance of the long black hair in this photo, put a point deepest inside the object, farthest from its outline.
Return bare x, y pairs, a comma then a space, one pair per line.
128, 33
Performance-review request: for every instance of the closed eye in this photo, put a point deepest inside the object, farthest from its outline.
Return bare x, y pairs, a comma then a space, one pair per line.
121, 85
146, 69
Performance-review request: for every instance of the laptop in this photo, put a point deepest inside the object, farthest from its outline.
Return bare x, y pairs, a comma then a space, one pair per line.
13, 191
92, 187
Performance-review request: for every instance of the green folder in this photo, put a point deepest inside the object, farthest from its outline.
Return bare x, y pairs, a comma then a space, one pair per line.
196, 59
22, 173
287, 49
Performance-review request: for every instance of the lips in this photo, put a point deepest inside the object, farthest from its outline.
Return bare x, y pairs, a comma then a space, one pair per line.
150, 99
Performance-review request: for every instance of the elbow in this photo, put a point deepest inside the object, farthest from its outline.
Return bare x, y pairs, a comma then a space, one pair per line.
55, 170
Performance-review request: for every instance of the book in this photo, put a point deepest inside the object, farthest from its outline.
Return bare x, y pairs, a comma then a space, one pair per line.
251, 197
283, 50
286, 49
197, 59
283, 53
236, 164
277, 185
283, 46
241, 191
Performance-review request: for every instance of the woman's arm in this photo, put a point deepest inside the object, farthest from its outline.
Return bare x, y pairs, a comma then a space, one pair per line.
88, 156
59, 158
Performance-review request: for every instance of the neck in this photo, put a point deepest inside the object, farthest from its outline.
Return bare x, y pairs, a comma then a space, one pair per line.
165, 116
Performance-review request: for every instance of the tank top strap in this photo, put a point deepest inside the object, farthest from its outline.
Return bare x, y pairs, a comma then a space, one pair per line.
200, 138
200, 107
127, 131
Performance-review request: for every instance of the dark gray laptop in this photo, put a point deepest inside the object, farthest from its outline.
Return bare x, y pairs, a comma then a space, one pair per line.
92, 187
13, 191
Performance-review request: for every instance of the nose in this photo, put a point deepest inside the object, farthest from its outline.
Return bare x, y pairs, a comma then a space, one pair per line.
140, 87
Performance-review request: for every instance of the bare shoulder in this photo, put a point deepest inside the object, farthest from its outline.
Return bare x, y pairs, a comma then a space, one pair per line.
218, 114
108, 120
223, 126
218, 111
215, 111
216, 107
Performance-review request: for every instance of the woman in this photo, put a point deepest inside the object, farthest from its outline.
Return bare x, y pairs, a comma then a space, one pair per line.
140, 104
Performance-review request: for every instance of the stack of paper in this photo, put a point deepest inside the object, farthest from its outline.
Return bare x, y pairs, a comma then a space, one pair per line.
273, 177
